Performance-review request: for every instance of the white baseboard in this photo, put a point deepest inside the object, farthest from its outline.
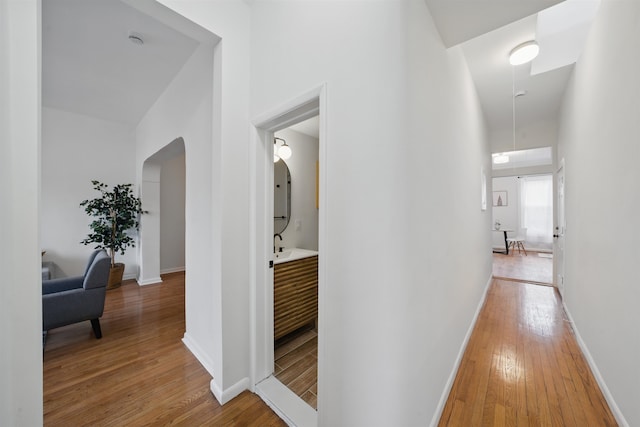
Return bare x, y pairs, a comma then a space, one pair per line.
596, 372
172, 270
196, 350
152, 281
224, 396
452, 376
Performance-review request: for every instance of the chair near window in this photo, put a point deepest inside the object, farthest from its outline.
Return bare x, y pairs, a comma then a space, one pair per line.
518, 241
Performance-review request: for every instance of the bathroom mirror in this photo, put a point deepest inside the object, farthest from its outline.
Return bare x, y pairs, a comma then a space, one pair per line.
281, 196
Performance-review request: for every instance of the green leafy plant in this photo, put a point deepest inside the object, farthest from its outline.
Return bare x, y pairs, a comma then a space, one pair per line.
116, 212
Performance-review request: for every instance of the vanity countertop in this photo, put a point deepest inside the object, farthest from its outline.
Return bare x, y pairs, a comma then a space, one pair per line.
292, 254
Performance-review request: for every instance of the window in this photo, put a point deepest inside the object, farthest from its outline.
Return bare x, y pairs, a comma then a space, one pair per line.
536, 210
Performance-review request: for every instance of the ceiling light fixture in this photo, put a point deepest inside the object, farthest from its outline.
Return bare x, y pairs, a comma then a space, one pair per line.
136, 38
524, 53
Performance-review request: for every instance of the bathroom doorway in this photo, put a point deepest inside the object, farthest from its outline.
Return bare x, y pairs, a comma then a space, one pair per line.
302, 243
295, 226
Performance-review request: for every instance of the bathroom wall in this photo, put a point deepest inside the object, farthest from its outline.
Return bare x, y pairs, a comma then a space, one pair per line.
77, 149
302, 231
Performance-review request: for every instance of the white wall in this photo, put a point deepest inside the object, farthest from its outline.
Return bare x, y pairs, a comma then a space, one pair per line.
598, 140
507, 215
77, 149
405, 146
535, 135
20, 290
172, 220
302, 231
185, 110
217, 252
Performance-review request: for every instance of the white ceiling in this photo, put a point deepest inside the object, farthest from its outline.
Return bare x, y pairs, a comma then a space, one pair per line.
309, 127
561, 31
90, 67
461, 20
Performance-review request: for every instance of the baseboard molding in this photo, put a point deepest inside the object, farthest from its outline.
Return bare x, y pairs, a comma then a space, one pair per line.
129, 276
196, 350
172, 270
224, 396
152, 281
456, 366
596, 372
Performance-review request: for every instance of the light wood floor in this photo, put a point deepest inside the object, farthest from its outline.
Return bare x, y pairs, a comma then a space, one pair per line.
523, 367
530, 268
296, 364
139, 373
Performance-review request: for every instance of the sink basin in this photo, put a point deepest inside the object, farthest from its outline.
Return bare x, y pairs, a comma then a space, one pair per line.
292, 255
283, 254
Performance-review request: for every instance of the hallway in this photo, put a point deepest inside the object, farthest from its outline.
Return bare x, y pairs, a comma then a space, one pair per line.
523, 366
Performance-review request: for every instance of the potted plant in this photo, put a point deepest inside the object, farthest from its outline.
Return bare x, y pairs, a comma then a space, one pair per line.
115, 213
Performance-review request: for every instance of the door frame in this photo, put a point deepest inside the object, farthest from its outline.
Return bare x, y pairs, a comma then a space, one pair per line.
559, 229
263, 127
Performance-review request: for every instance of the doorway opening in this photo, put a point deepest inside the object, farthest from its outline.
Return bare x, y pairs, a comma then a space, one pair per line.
162, 231
295, 226
523, 228
301, 240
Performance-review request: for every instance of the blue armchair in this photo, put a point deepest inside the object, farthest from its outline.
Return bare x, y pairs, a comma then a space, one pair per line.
76, 299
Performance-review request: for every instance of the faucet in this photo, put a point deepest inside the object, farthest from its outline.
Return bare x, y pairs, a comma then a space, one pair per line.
274, 241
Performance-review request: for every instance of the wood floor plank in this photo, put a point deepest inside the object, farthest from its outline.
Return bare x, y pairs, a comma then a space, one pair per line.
296, 364
523, 366
140, 373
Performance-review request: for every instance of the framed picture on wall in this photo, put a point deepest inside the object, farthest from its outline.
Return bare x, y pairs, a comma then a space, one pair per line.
500, 198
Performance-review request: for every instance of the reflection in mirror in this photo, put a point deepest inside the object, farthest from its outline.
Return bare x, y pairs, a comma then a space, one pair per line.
281, 196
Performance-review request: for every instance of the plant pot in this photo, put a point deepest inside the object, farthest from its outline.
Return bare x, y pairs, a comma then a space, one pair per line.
115, 275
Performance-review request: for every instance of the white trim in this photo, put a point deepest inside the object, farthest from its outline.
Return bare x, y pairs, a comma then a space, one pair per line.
596, 372
224, 396
172, 270
151, 281
286, 404
456, 366
309, 104
195, 349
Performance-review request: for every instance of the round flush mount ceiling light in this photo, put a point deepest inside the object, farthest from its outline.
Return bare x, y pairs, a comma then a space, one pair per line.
136, 38
524, 53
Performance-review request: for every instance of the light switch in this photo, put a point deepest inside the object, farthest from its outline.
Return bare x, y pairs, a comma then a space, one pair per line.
298, 224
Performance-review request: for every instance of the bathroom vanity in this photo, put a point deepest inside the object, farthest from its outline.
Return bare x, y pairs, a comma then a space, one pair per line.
295, 293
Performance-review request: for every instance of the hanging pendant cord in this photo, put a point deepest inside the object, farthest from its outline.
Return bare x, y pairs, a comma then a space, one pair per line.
513, 103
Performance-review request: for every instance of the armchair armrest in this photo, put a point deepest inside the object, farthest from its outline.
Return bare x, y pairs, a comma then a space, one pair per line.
59, 285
